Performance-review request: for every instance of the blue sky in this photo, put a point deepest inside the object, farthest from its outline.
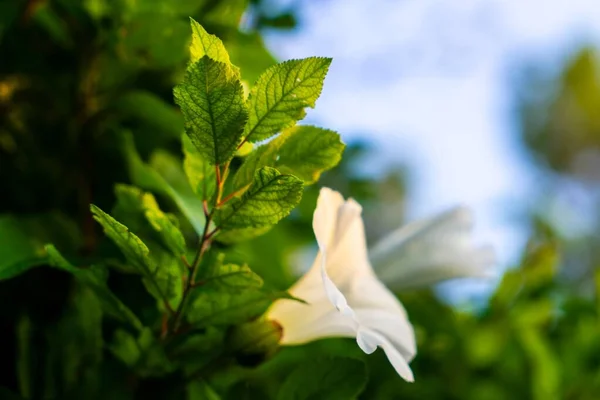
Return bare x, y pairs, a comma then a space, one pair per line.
428, 82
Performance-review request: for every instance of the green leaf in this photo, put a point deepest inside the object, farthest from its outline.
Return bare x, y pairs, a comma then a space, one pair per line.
282, 93
332, 378
303, 151
152, 111
75, 347
169, 232
212, 103
161, 274
23, 238
199, 172
19, 251
262, 156
205, 44
199, 390
144, 353
95, 277
164, 176
216, 306
132, 247
271, 197
308, 151
228, 294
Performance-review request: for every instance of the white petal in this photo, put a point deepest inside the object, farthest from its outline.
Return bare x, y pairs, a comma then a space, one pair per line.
378, 309
339, 231
368, 340
303, 323
430, 251
396, 328
325, 216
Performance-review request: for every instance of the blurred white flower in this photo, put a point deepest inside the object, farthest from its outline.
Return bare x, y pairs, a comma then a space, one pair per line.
430, 251
344, 297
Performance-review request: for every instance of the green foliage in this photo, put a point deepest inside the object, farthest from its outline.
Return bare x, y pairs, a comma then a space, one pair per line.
95, 278
200, 174
162, 280
205, 44
270, 197
304, 151
164, 176
18, 252
169, 301
281, 94
212, 102
228, 294
332, 378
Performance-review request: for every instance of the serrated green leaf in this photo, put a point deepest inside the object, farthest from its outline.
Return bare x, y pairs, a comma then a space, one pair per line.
308, 151
160, 273
271, 197
199, 172
332, 378
205, 44
303, 151
95, 277
164, 176
212, 103
281, 94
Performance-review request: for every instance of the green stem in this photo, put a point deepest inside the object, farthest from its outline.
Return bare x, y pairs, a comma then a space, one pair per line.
204, 241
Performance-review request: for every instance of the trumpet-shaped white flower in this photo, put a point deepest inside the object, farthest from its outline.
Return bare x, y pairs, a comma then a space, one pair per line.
344, 297
430, 251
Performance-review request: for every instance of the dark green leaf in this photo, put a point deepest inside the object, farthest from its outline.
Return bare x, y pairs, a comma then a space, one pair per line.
332, 378
94, 277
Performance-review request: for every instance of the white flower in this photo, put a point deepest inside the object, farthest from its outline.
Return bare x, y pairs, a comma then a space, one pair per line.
344, 297
429, 251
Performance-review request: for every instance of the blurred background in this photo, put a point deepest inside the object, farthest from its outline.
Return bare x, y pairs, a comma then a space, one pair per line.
485, 103
491, 104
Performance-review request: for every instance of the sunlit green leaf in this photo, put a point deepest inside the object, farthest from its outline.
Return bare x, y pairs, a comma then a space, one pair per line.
199, 172
212, 102
308, 151
281, 94
205, 44
303, 151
